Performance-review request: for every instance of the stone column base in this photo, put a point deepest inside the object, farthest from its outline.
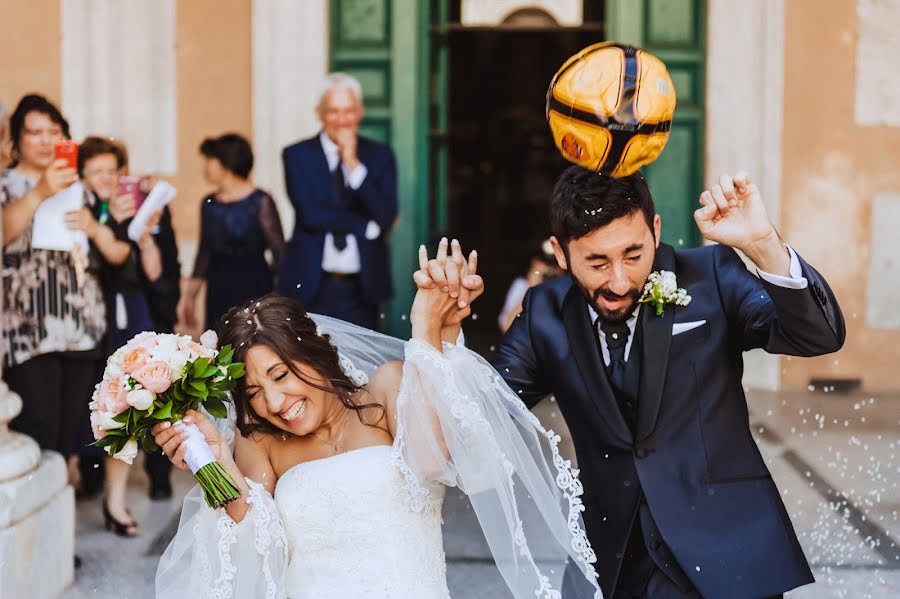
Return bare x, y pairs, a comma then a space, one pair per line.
37, 531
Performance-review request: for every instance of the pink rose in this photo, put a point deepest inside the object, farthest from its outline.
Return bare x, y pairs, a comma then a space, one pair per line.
99, 433
111, 396
154, 376
192, 350
148, 343
135, 360
209, 339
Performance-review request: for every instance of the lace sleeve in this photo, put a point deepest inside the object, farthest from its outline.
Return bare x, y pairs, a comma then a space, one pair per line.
213, 557
460, 424
270, 223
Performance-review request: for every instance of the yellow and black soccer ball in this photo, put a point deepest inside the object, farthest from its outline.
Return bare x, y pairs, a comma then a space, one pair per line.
610, 108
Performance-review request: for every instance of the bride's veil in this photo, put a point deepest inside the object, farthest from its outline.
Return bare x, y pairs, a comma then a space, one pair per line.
526, 497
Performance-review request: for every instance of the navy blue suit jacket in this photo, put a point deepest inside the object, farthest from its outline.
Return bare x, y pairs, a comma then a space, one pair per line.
705, 482
318, 209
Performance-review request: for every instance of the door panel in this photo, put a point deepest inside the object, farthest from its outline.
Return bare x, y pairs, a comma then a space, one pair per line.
675, 31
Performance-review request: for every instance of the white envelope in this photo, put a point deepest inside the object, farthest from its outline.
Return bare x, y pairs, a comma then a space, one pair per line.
49, 230
161, 194
681, 327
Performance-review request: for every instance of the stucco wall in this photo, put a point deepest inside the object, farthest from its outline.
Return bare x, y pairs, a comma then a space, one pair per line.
832, 170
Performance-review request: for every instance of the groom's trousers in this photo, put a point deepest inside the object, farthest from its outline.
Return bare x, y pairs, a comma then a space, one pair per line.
649, 570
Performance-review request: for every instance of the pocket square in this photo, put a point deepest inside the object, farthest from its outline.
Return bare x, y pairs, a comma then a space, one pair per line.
681, 327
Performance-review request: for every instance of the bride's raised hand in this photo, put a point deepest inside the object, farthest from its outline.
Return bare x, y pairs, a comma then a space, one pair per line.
453, 274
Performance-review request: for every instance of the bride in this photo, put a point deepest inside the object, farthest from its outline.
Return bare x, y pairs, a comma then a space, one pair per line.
346, 441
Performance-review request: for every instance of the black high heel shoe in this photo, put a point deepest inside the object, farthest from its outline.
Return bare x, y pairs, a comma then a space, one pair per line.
122, 529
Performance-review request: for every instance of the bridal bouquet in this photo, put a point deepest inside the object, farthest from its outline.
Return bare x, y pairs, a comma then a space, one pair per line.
160, 376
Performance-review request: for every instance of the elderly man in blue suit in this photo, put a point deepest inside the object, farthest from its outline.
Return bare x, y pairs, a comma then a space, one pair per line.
344, 191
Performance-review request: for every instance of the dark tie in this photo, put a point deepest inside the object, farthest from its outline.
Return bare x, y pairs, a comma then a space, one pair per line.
616, 339
340, 239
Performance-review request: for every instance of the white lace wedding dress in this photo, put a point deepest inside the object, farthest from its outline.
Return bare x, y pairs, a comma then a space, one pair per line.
367, 523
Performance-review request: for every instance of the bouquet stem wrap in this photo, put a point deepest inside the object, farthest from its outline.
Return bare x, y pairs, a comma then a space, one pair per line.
219, 489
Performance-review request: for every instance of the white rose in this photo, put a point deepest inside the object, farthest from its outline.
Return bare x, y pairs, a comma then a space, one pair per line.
177, 362
127, 453
209, 339
106, 422
114, 370
140, 399
168, 345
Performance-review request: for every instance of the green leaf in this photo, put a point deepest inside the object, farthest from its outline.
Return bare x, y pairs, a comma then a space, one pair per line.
210, 371
107, 440
117, 444
216, 408
199, 366
225, 354
123, 417
149, 444
163, 412
236, 370
198, 392
177, 393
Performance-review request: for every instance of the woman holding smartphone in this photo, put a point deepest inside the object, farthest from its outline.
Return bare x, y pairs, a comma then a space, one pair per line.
54, 315
160, 276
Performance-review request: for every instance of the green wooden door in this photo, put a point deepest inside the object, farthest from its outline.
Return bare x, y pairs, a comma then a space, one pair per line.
384, 44
675, 31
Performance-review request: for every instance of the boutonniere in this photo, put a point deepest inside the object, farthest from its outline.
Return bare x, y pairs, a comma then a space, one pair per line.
661, 289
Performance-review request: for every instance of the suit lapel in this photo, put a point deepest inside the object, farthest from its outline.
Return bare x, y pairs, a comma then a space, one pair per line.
655, 355
585, 348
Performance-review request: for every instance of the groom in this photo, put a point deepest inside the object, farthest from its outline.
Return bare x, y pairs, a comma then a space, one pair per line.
678, 500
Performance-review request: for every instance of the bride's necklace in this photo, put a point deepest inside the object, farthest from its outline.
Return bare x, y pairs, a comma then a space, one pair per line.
336, 446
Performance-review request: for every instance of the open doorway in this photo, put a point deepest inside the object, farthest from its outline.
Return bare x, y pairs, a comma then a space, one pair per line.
502, 163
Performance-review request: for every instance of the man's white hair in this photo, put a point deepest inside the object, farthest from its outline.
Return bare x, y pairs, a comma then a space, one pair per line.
340, 81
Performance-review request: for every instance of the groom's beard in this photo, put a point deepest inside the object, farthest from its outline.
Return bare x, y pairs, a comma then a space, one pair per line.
619, 315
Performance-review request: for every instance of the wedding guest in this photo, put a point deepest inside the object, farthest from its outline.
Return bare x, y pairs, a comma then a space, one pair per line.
100, 162
238, 223
344, 190
54, 315
542, 267
160, 276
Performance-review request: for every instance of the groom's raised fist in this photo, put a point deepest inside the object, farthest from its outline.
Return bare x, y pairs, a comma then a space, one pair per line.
733, 213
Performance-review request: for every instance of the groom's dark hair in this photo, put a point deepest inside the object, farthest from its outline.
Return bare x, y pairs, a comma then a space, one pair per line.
584, 201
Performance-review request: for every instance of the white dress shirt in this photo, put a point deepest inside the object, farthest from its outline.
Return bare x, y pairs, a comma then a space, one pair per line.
344, 261
795, 281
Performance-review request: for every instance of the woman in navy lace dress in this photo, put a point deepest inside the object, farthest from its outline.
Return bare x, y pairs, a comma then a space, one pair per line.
239, 223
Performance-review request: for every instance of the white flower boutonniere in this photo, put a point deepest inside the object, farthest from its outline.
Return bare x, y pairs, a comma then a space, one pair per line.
661, 289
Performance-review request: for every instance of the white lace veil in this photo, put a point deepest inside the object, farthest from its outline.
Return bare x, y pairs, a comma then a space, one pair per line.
526, 497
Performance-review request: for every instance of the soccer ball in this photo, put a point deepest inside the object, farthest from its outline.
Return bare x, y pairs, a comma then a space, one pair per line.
610, 108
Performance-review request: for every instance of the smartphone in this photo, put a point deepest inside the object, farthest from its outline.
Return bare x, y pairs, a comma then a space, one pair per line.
66, 149
128, 185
